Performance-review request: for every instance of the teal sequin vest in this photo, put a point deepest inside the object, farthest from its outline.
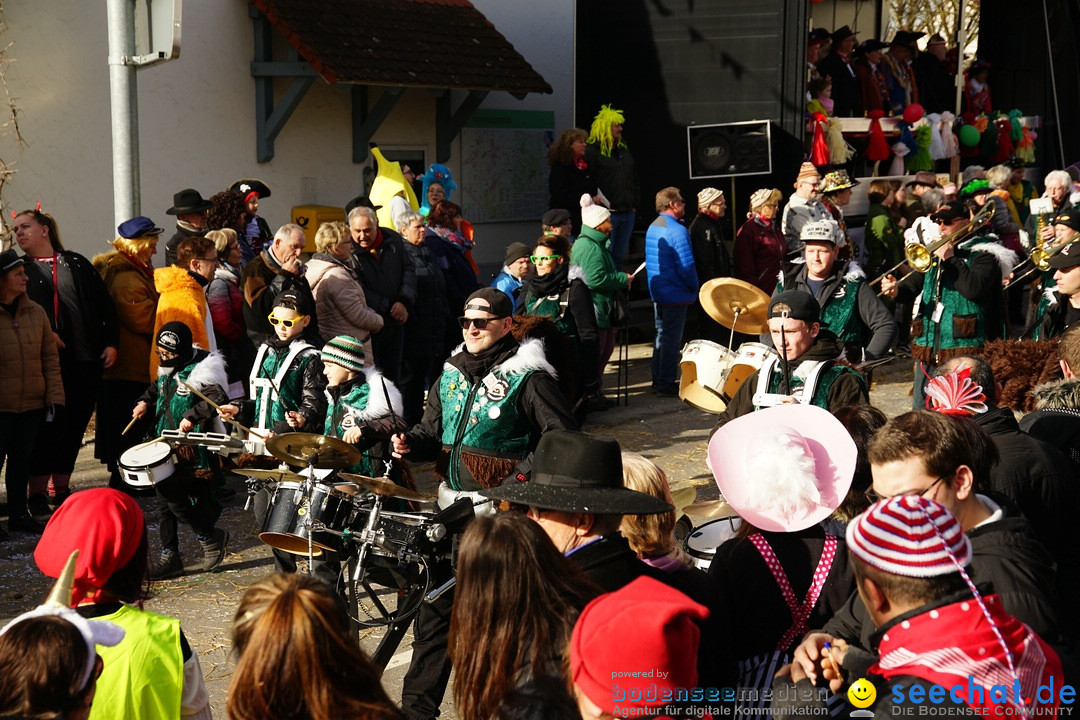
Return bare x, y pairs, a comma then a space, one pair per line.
484, 419
282, 396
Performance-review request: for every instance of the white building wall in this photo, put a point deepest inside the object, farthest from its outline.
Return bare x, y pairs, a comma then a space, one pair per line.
197, 118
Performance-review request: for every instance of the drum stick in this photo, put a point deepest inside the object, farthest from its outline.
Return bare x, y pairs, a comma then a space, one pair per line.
130, 425
638, 269
218, 407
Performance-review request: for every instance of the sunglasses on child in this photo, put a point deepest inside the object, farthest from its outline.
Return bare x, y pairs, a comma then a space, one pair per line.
275, 320
479, 323
537, 259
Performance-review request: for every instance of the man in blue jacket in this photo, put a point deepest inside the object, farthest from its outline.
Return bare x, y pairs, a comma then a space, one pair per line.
673, 285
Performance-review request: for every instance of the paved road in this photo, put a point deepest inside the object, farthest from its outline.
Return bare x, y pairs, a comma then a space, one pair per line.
666, 430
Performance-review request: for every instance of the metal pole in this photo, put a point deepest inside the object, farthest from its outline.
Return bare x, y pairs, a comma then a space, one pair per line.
123, 93
961, 41
1053, 84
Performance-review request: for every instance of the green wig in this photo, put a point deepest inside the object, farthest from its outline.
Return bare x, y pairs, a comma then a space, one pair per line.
600, 133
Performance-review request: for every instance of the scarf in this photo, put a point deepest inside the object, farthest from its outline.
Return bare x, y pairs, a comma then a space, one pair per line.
581, 165
947, 644
477, 365
145, 269
458, 242
543, 286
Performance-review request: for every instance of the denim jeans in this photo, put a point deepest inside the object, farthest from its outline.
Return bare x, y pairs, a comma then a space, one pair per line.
622, 225
670, 320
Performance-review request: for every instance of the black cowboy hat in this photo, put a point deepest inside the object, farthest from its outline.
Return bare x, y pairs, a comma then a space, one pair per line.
187, 202
575, 472
841, 34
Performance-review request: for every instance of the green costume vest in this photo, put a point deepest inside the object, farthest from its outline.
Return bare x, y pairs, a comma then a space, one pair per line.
143, 676
277, 381
485, 418
345, 413
839, 313
963, 324
824, 381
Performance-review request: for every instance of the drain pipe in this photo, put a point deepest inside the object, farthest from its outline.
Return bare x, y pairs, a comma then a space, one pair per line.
123, 93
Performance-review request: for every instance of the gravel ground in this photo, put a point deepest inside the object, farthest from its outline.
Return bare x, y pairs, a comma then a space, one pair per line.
668, 431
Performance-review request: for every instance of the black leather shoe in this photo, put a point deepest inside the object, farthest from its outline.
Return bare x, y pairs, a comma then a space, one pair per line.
25, 523
169, 565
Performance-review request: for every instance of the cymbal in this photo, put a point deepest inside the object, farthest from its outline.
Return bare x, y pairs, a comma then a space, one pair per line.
275, 475
722, 297
682, 496
717, 509
296, 449
386, 487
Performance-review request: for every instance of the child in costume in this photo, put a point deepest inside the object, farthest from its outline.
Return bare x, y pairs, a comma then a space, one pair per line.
257, 233
364, 408
187, 495
287, 392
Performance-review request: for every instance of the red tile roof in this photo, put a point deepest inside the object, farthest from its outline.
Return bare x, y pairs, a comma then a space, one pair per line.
410, 43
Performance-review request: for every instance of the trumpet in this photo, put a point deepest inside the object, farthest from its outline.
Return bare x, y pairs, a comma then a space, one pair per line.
921, 257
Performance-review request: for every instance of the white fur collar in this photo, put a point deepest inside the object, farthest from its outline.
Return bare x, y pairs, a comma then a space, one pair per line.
529, 356
1051, 296
854, 272
1005, 257
209, 371
376, 403
575, 273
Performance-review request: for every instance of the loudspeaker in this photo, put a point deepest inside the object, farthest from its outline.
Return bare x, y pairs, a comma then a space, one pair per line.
729, 149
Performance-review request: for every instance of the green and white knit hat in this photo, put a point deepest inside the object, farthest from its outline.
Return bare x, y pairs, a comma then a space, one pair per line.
346, 351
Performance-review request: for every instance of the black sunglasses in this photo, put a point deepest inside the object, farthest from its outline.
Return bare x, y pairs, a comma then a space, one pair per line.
479, 323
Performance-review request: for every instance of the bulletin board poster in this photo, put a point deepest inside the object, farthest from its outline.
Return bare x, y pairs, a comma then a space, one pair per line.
504, 168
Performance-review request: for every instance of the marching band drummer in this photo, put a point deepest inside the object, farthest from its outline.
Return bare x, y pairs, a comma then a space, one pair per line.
187, 495
287, 392
815, 374
363, 409
849, 307
484, 418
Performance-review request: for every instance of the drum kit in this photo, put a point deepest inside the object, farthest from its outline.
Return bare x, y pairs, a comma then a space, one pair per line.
711, 373
319, 512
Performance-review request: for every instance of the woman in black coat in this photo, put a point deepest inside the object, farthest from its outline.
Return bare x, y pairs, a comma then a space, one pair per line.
83, 320
570, 176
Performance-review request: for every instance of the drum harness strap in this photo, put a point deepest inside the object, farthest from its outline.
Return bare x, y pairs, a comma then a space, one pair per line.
808, 372
270, 387
799, 613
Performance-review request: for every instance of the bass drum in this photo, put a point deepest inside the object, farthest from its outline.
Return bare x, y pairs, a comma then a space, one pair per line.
748, 359
702, 543
287, 528
704, 366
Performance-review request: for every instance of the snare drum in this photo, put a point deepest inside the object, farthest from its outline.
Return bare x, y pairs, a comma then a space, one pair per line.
748, 359
704, 366
702, 543
147, 464
286, 526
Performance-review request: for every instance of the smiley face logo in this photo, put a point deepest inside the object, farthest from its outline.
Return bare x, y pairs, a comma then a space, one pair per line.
862, 693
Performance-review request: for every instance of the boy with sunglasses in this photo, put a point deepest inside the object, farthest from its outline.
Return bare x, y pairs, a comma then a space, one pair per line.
187, 495
287, 389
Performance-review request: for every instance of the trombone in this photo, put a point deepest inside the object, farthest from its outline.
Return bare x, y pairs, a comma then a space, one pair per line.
1040, 259
921, 257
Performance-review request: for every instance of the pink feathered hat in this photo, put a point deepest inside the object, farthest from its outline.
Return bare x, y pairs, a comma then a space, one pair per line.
784, 468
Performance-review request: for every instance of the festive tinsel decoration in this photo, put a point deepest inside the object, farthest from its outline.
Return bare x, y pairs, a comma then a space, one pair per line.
878, 147
920, 159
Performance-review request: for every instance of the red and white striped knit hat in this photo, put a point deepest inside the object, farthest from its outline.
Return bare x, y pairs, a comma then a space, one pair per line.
909, 535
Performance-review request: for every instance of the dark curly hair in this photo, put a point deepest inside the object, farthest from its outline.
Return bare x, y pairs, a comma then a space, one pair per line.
561, 151
226, 211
